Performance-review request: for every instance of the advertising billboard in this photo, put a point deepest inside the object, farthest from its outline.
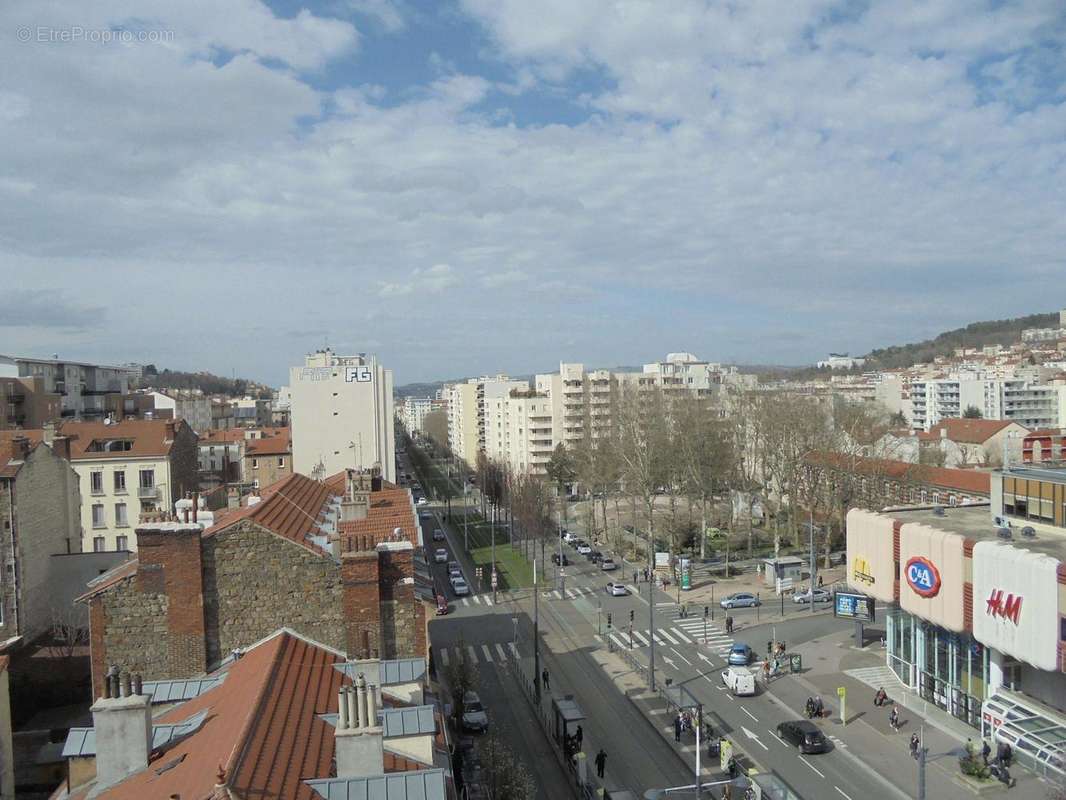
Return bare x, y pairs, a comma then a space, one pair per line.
931, 580
870, 559
1016, 602
850, 605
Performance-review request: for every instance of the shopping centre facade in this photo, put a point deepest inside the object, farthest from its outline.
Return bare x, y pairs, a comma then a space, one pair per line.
974, 602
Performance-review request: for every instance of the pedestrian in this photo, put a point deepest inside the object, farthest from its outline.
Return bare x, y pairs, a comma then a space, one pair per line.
770, 649
645, 574
986, 751
544, 678
729, 625
819, 581
880, 697
636, 577
893, 720
914, 745
677, 727
579, 735
601, 762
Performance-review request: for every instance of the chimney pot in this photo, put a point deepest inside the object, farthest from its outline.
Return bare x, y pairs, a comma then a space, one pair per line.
138, 685
353, 716
342, 709
360, 702
126, 685
371, 707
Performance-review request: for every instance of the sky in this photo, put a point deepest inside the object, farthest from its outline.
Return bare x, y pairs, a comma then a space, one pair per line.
473, 186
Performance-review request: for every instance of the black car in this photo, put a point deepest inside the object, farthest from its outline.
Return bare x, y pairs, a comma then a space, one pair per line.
556, 557
805, 735
595, 556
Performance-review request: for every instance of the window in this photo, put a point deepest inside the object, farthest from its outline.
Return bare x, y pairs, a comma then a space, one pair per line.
147, 479
281, 461
96, 483
147, 507
120, 481
98, 516
255, 463
255, 483
122, 543
120, 516
98, 544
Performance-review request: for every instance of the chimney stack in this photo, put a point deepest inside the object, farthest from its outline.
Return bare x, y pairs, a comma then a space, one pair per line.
48, 431
123, 725
61, 447
359, 740
171, 429
233, 497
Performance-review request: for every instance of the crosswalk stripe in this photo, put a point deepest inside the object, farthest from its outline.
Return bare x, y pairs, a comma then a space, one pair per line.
637, 635
466, 601
556, 595
488, 600
443, 656
632, 588
681, 636
666, 636
658, 641
501, 651
514, 650
477, 599
570, 593
619, 642
487, 652
473, 653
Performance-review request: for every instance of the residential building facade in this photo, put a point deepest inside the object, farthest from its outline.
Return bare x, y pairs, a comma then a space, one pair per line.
342, 415
25, 404
83, 388
127, 469
268, 459
192, 406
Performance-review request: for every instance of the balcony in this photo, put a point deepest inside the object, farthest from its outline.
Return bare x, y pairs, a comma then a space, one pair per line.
148, 492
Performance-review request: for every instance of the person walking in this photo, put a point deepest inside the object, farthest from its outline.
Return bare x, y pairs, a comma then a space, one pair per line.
986, 751
636, 577
579, 735
729, 625
893, 718
601, 762
544, 679
677, 727
645, 574
914, 745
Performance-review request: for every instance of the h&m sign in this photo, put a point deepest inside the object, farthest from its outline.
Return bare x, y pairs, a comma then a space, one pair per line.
1004, 605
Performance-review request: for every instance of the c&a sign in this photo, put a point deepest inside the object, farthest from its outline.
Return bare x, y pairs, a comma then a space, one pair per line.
922, 576
1004, 605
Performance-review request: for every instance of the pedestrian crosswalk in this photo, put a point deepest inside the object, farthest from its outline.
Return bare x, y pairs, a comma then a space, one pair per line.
476, 600
679, 632
489, 653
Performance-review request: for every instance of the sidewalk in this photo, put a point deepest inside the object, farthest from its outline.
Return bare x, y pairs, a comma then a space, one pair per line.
832, 662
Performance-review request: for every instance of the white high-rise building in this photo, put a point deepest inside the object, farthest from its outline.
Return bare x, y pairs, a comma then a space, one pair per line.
342, 415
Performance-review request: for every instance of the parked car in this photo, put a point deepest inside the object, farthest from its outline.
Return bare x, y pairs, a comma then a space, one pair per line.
820, 596
740, 681
440, 555
617, 590
454, 572
569, 537
595, 556
740, 600
608, 564
453, 566
459, 587
438, 535
474, 716
442, 605
804, 734
425, 513
740, 654
556, 559
421, 501
584, 549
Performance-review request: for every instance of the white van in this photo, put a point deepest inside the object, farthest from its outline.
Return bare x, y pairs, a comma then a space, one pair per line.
740, 680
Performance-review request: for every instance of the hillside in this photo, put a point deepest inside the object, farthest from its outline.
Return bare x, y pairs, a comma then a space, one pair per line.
204, 381
976, 334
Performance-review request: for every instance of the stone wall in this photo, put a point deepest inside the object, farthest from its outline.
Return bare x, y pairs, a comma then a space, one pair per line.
184, 462
7, 586
135, 633
256, 582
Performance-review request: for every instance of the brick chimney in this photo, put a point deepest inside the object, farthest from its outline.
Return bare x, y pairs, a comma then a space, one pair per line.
48, 432
122, 720
61, 447
358, 739
20, 446
171, 430
361, 605
170, 563
356, 502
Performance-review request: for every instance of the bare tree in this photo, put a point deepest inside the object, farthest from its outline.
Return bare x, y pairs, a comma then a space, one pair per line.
69, 631
644, 437
461, 676
704, 451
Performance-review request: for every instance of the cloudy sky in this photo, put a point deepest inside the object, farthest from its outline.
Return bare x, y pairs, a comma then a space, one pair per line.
464, 186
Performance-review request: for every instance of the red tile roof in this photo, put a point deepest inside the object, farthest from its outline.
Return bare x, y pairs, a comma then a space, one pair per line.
231, 436
10, 453
263, 728
971, 481
969, 431
149, 437
390, 508
272, 446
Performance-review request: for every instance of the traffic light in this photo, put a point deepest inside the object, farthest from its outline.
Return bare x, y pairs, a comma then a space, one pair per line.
608, 619
706, 611
631, 615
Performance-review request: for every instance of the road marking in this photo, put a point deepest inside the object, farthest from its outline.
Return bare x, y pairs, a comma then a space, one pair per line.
681, 636
487, 652
570, 593
619, 642
500, 650
842, 792
488, 600
809, 764
557, 595
749, 713
674, 651
637, 635
633, 589
473, 652
444, 656
753, 736
514, 649
778, 738
477, 599
466, 601
658, 641
663, 633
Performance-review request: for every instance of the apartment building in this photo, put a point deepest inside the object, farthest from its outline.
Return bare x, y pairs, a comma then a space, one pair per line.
126, 469
580, 401
494, 414
529, 436
24, 403
463, 421
83, 388
268, 459
342, 415
414, 410
193, 406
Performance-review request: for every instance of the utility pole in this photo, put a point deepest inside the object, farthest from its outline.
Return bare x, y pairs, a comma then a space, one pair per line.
923, 751
699, 733
536, 634
812, 558
651, 610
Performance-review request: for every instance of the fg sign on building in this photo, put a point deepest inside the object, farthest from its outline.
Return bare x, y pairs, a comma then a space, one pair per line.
922, 576
358, 375
1016, 602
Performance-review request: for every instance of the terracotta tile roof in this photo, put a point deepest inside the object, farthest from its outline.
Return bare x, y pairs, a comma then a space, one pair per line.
231, 436
390, 508
9, 453
272, 446
964, 480
149, 437
337, 482
289, 508
263, 728
969, 431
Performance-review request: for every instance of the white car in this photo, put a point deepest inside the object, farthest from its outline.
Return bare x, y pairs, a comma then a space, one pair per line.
584, 549
820, 596
459, 587
440, 555
569, 537
617, 590
421, 501
740, 681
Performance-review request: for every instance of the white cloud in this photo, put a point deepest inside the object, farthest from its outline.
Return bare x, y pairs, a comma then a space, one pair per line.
432, 280
496, 280
387, 13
